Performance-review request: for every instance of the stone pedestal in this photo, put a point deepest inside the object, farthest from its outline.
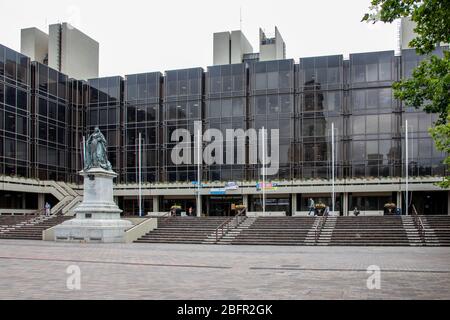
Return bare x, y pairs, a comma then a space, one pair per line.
97, 217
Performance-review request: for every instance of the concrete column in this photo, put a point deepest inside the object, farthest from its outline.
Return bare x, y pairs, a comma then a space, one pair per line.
345, 204
245, 200
448, 203
400, 202
200, 209
41, 201
155, 203
293, 203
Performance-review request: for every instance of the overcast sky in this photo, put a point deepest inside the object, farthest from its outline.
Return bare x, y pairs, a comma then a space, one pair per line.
143, 36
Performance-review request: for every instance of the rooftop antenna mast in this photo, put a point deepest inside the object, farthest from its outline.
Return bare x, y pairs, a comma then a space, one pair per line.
240, 18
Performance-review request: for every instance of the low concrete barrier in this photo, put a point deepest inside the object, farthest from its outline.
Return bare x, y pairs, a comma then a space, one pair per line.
140, 229
157, 214
267, 214
49, 234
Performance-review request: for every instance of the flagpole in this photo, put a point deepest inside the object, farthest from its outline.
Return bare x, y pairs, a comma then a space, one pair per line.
264, 170
406, 166
199, 178
333, 196
140, 175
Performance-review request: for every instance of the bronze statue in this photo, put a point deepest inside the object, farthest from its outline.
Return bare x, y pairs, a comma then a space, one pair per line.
95, 153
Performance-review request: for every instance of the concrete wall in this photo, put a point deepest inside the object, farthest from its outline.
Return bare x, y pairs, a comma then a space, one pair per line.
79, 53
239, 46
221, 50
272, 51
34, 44
406, 32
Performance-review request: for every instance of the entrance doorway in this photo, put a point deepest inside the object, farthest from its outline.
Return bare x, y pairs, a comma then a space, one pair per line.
223, 206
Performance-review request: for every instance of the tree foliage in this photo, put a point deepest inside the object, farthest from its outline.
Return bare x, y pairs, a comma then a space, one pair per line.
429, 86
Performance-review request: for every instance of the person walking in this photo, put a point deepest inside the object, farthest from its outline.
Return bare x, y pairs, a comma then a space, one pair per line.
311, 206
47, 209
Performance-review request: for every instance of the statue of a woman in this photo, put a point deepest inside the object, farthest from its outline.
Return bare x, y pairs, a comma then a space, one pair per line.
96, 156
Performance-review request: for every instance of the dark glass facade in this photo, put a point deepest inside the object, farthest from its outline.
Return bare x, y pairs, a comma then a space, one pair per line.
15, 134
44, 116
142, 116
105, 104
50, 114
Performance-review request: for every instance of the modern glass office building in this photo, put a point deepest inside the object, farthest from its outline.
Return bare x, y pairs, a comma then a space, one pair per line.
44, 116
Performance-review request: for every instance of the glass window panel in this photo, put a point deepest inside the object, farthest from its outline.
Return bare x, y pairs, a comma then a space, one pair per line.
227, 83
359, 125
385, 123
372, 99
308, 127
214, 109
42, 130
61, 135
21, 150
238, 83
286, 104
10, 64
358, 150
140, 113
21, 100
10, 96
10, 122
359, 99
103, 116
172, 111
385, 98
21, 125
2, 60
194, 109
227, 108
261, 107
112, 116
273, 105
333, 75
372, 124
181, 110
238, 107
2, 91
272, 80
359, 73
260, 81
285, 79
52, 110
93, 117
385, 69
61, 113
52, 133
285, 128
372, 72
309, 101
320, 127
216, 84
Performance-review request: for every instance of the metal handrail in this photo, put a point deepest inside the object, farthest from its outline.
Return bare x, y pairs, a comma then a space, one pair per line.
228, 222
168, 216
418, 223
319, 227
35, 213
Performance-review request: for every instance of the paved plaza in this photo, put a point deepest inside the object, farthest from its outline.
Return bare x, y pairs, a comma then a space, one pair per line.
38, 270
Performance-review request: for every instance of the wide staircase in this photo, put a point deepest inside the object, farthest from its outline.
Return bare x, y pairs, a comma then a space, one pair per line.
370, 231
436, 230
29, 227
275, 231
183, 230
312, 231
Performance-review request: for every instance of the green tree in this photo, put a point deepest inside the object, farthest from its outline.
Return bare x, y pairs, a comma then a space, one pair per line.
429, 86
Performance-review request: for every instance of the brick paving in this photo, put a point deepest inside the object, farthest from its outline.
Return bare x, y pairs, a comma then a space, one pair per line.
37, 270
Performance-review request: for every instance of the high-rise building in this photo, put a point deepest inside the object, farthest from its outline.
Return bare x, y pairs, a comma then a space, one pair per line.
65, 49
44, 115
